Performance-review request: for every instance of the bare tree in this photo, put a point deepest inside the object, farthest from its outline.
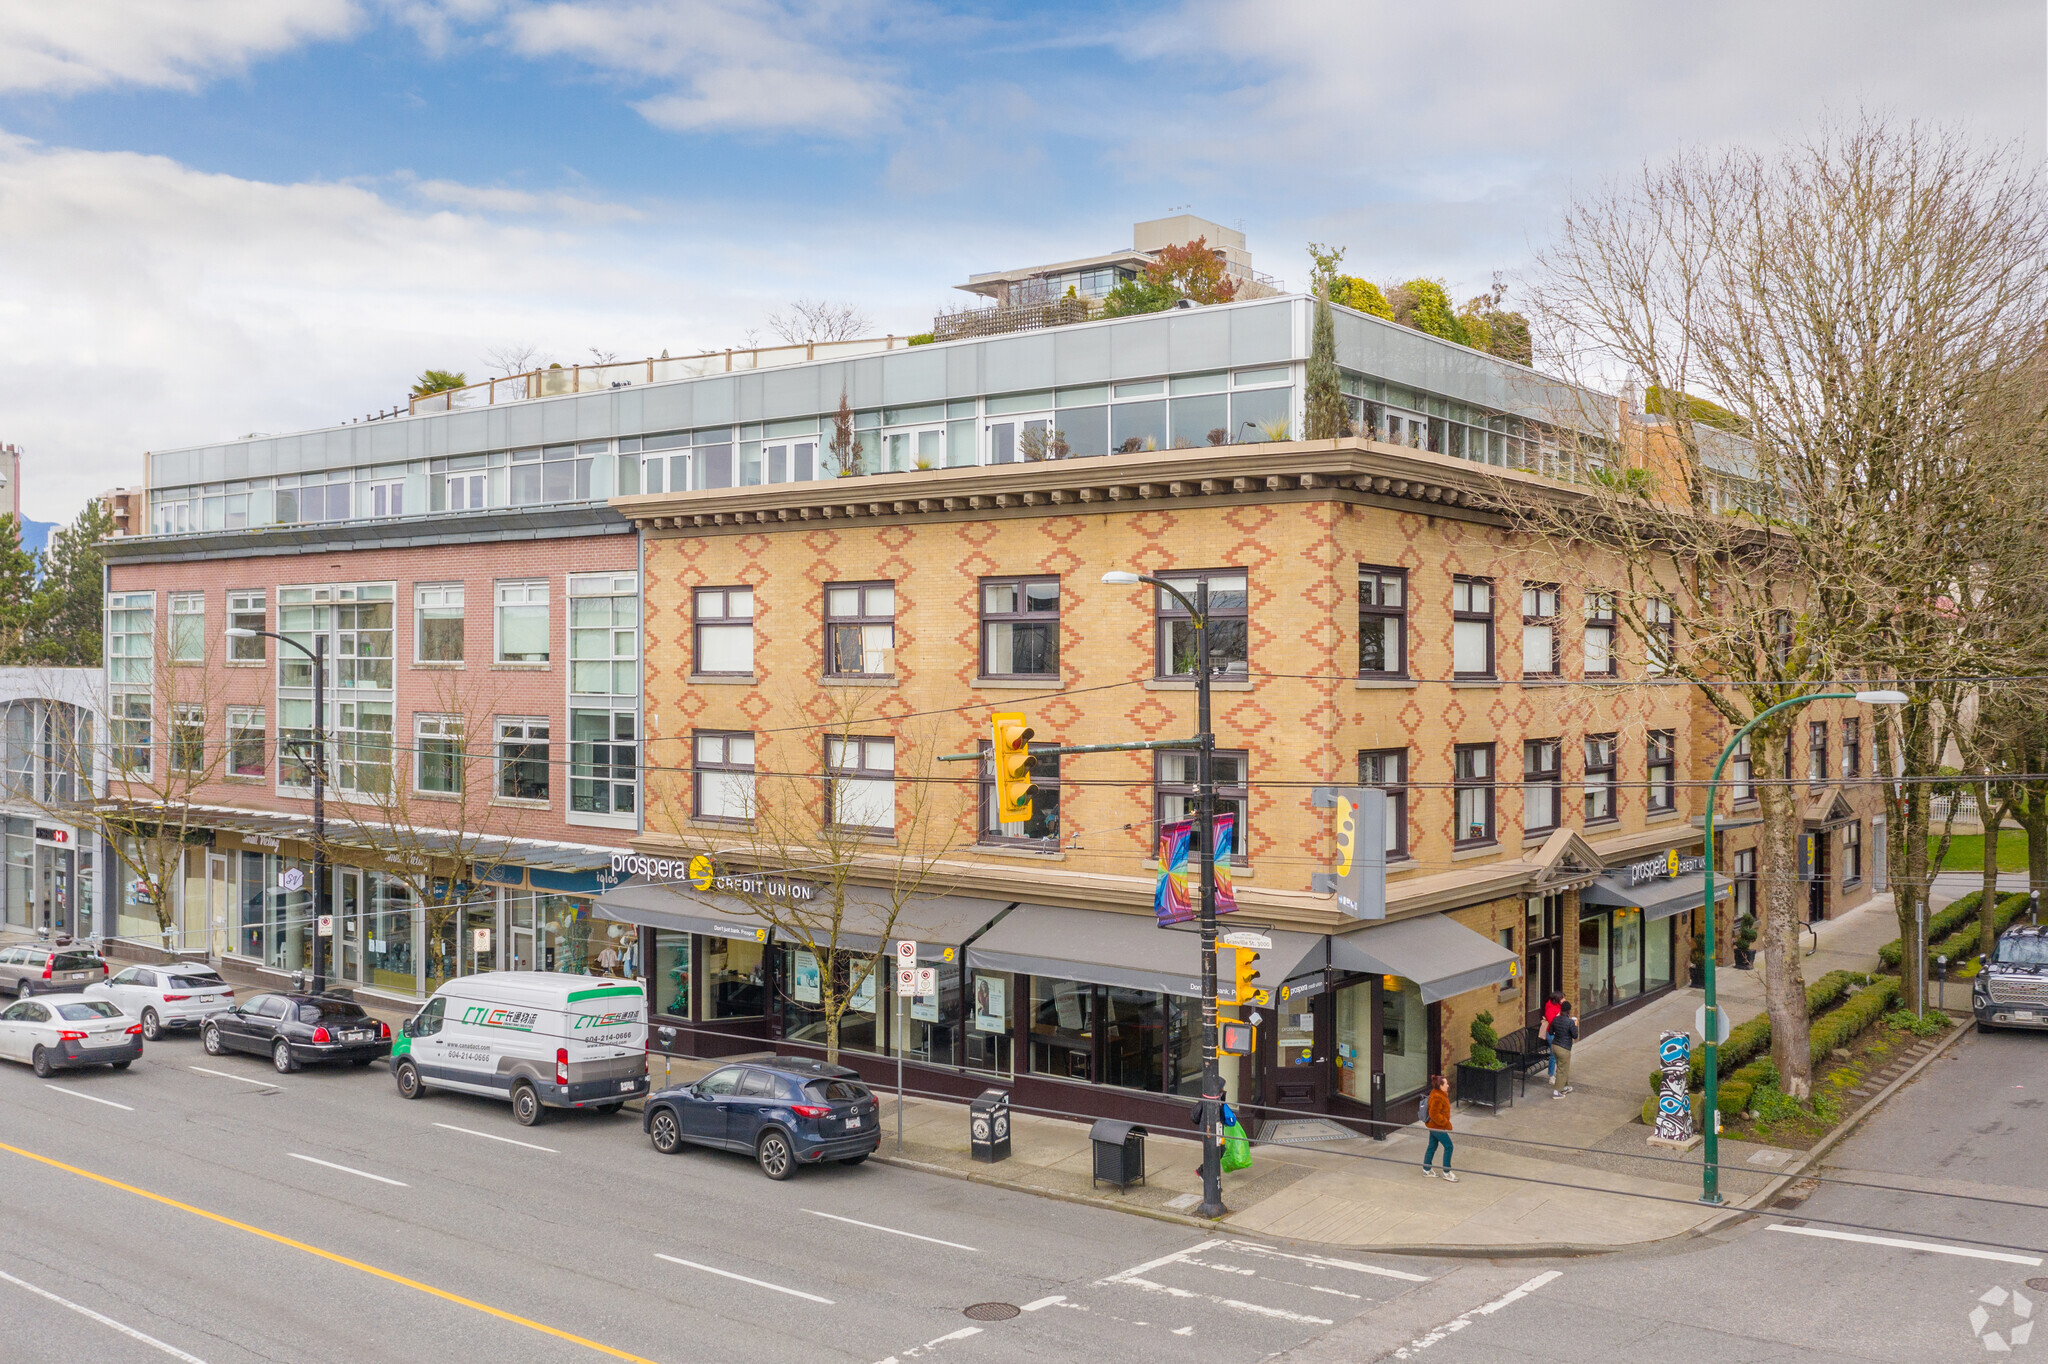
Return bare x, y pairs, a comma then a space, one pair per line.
808, 319
514, 358
603, 357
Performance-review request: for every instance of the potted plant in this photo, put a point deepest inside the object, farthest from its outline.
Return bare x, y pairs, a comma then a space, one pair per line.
1482, 1077
1696, 969
1745, 943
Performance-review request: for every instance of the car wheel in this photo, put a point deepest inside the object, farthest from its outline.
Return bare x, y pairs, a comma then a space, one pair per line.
855, 1160
152, 1026
281, 1057
407, 1076
665, 1131
22, 989
120, 1065
209, 1038
526, 1105
40, 1060
777, 1161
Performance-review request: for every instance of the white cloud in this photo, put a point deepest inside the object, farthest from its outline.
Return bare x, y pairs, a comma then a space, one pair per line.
69, 45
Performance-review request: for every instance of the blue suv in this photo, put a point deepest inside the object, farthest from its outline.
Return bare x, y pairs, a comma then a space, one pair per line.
783, 1111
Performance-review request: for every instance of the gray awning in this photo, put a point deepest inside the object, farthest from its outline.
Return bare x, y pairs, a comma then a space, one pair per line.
936, 921
1438, 953
1104, 947
1659, 899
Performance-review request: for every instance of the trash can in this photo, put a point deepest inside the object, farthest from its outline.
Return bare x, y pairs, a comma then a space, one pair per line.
988, 1126
1119, 1153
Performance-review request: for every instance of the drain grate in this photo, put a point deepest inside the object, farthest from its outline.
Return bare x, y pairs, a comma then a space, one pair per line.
990, 1311
2038, 1285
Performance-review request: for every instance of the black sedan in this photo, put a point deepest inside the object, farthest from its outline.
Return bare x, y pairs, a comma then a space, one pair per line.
783, 1112
293, 1030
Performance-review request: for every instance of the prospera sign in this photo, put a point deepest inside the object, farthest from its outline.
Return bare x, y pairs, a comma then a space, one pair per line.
1667, 867
700, 872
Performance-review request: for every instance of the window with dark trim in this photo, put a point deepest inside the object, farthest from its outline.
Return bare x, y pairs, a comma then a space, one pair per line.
1472, 792
1852, 747
1741, 774
1743, 884
1781, 637
1229, 624
1175, 793
1816, 752
860, 629
1542, 786
1539, 630
1472, 627
1599, 644
1020, 627
1599, 778
1382, 622
1387, 769
1042, 830
1660, 757
1852, 853
860, 783
523, 767
1660, 652
722, 629
722, 763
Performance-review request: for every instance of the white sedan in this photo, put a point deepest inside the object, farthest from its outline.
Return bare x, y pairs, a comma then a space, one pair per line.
165, 997
58, 1032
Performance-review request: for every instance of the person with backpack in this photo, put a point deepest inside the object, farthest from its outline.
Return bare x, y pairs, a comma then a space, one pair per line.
1551, 1003
1438, 1121
1564, 1031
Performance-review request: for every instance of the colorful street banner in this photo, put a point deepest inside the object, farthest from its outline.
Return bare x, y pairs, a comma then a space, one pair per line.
1170, 901
1226, 836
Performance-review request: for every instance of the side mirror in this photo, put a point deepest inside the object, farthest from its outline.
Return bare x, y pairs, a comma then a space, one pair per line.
409, 1028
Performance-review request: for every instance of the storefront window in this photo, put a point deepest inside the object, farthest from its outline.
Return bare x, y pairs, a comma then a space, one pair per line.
1595, 976
733, 983
479, 940
988, 1022
1297, 1031
291, 915
1134, 1033
1657, 955
1182, 1066
387, 940
1062, 1028
800, 1000
441, 921
249, 937
1353, 1017
671, 974
1628, 954
1404, 1037
931, 1022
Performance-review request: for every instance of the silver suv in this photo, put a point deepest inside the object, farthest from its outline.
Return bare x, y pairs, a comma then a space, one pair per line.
34, 969
2011, 990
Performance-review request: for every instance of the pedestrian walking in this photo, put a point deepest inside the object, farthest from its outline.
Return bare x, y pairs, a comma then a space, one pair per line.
1551, 1003
1564, 1031
1438, 1121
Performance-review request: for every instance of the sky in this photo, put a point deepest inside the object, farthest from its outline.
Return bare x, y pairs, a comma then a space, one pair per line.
220, 217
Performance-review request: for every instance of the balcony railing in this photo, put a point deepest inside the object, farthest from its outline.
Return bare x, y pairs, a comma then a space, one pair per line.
1015, 317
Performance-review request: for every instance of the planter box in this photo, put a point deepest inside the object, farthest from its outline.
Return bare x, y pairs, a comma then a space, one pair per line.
1493, 1089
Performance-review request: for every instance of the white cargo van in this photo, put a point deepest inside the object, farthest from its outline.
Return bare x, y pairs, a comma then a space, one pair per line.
543, 1039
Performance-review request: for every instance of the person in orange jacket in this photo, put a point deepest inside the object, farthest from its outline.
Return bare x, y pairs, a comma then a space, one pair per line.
1438, 1121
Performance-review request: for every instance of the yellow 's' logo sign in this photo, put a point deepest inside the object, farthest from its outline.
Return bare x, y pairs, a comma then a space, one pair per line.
1346, 819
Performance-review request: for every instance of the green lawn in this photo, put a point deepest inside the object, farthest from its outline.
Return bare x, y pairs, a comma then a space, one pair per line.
1966, 851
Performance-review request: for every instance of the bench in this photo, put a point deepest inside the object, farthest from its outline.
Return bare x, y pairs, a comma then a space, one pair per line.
1522, 1051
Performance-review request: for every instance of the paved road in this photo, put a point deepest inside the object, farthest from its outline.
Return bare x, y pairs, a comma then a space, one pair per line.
209, 1209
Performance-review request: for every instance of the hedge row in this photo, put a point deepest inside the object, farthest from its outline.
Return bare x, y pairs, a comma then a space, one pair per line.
1837, 1029
1749, 1040
1962, 944
1944, 922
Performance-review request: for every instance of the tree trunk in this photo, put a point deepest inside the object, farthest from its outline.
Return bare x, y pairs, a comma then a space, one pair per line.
1783, 909
835, 1010
1910, 882
1987, 908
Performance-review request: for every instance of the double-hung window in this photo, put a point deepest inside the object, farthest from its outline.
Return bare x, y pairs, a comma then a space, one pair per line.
1387, 768
1382, 622
131, 629
188, 627
1852, 853
604, 761
440, 763
604, 634
247, 742
1177, 794
245, 612
1741, 773
1599, 643
861, 783
1472, 627
1852, 747
860, 630
363, 747
188, 739
523, 620
1472, 789
1229, 624
723, 765
1743, 885
1539, 630
1660, 754
1043, 828
523, 757
131, 732
1660, 652
437, 623
1020, 627
1817, 752
1542, 790
724, 632
1599, 778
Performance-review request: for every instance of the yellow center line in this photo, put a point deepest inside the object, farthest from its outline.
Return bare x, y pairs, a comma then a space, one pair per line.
329, 1255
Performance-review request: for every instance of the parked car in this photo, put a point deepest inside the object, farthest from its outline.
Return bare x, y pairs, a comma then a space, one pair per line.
543, 1039
38, 968
61, 1032
2011, 989
783, 1112
293, 1030
166, 997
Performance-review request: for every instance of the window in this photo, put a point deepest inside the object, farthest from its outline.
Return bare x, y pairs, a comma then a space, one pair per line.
363, 747
1387, 768
1472, 627
362, 640
1177, 793
1539, 630
188, 627
437, 623
1781, 637
1744, 885
188, 738
604, 761
1741, 773
1044, 825
131, 627
1229, 624
295, 743
1852, 853
1817, 752
861, 782
860, 629
1660, 755
245, 612
724, 768
1020, 627
1542, 793
523, 758
385, 497
1382, 622
604, 634
1472, 787
439, 767
1599, 778
523, 621
724, 631
1661, 647
558, 473
247, 741
1852, 747
1599, 634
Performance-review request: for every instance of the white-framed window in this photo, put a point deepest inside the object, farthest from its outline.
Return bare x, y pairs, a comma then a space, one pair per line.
523, 768
723, 765
604, 762
355, 618
188, 627
437, 623
523, 620
604, 634
131, 631
295, 743
248, 742
438, 762
724, 625
1741, 773
363, 744
861, 775
188, 739
131, 732
246, 612
380, 499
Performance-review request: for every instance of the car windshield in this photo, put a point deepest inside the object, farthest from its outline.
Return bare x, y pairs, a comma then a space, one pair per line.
195, 981
74, 961
2029, 951
86, 1009
331, 1011
836, 1091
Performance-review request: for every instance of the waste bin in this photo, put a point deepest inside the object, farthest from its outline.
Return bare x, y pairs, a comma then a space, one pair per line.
988, 1126
1119, 1153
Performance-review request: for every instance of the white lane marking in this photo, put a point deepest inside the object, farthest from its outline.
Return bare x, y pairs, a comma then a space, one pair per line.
1968, 1252
918, 1351
1054, 1301
1329, 1262
243, 1078
873, 1226
1464, 1319
758, 1283
128, 1331
90, 1098
315, 1160
1122, 1275
1235, 1304
492, 1136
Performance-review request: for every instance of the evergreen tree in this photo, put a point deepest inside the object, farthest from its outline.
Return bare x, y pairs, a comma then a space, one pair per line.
17, 591
1328, 417
66, 613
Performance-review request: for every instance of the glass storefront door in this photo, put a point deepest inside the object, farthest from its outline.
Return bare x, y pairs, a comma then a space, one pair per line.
478, 941
1353, 1017
347, 910
1628, 954
1404, 1037
519, 931
219, 895
53, 887
1596, 972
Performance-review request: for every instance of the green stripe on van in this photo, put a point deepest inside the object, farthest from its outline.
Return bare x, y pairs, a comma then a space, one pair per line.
607, 992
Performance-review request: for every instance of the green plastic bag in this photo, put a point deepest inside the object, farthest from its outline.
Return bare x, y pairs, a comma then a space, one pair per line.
1237, 1148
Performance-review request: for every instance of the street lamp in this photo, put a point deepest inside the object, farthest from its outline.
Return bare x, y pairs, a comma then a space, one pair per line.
318, 653
1205, 778
1710, 1191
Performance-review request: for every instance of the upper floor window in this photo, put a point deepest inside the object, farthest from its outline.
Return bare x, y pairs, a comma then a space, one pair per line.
131, 635
724, 629
860, 629
130, 731
363, 747
382, 498
1817, 752
1176, 794
1852, 853
1852, 747
1471, 627
523, 767
604, 634
1020, 627
460, 484
1661, 758
523, 620
1542, 791
356, 621
1229, 624
723, 765
440, 764
604, 761
1599, 634
861, 783
246, 612
188, 739
1782, 636
247, 742
1661, 646
1387, 768
188, 627
1472, 786
1741, 773
1539, 630
1382, 622
1043, 828
314, 501
556, 473
437, 623
1599, 778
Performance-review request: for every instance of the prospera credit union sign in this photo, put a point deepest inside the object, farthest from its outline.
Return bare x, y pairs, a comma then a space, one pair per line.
701, 872
1666, 868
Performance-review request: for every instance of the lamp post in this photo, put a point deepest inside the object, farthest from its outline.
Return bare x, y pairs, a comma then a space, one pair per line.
318, 654
1710, 1188
1205, 781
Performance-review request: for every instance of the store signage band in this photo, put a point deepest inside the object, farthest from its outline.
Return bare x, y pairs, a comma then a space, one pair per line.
699, 872
1668, 867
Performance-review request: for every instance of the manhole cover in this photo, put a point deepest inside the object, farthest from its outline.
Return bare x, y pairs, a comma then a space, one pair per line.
2040, 1285
990, 1311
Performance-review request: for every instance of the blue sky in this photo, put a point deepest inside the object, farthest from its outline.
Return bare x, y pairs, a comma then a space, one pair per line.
224, 216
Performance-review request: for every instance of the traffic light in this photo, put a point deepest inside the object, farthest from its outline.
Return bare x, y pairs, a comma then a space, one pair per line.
1242, 984
1011, 752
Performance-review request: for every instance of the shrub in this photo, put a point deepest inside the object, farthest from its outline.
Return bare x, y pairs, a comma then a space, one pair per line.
1483, 1040
1843, 1025
1773, 1104
1960, 947
1933, 1023
922, 338
1940, 925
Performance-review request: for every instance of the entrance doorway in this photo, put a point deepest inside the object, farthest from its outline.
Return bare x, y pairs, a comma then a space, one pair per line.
348, 924
218, 896
1007, 439
54, 869
1817, 875
519, 934
1543, 954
